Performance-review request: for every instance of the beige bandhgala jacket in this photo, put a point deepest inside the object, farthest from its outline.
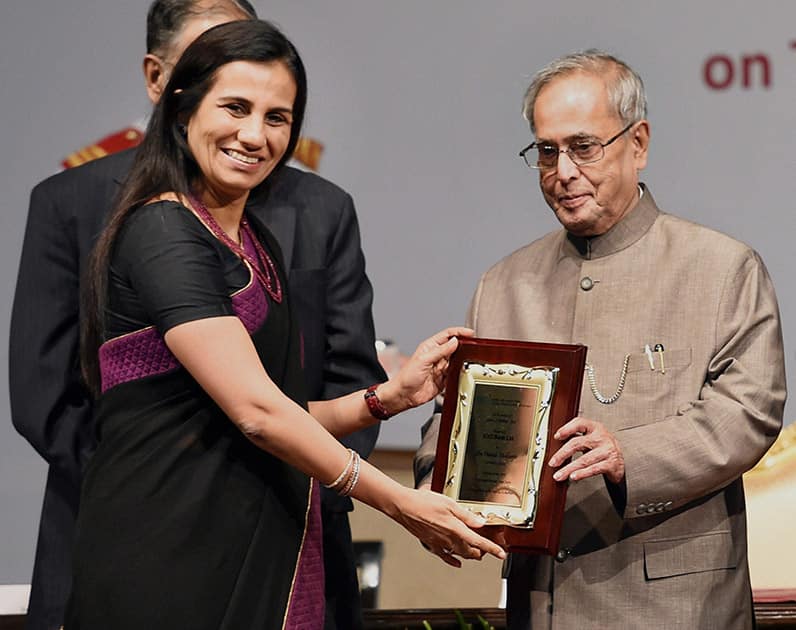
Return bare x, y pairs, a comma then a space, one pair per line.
675, 557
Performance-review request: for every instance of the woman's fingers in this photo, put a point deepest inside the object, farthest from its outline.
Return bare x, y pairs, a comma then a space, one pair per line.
435, 353
471, 544
423, 375
472, 520
476, 546
444, 528
444, 337
457, 331
448, 558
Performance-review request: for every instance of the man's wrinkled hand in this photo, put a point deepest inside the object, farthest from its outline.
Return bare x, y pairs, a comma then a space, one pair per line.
600, 453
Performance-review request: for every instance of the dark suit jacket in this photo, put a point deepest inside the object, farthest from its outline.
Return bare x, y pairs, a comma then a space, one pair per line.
316, 226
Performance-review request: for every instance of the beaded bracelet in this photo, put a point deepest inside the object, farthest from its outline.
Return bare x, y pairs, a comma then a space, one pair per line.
375, 406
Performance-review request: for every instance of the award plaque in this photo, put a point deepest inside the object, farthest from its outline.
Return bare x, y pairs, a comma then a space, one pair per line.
504, 400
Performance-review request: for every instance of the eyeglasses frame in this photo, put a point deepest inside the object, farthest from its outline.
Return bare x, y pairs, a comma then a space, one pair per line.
535, 144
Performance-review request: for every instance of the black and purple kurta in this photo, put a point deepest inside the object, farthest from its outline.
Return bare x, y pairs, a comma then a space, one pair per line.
183, 522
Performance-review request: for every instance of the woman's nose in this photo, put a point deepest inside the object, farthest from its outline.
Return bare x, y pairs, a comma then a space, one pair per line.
252, 132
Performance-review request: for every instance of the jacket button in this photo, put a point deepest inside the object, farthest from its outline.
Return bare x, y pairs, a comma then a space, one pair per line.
562, 555
586, 283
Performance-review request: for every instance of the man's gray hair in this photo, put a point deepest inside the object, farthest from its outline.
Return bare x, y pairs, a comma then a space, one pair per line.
625, 87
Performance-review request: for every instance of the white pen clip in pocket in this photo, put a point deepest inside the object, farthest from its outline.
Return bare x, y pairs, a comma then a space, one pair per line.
650, 358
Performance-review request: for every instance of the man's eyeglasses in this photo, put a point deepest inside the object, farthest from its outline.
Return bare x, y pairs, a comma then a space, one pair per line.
581, 152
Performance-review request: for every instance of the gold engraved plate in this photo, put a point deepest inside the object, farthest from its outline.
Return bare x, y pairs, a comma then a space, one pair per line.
499, 440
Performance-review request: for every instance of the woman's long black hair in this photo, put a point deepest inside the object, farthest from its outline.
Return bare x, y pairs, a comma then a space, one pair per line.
164, 162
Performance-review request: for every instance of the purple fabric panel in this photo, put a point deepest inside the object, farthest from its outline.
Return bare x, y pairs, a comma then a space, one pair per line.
307, 603
251, 305
133, 356
144, 352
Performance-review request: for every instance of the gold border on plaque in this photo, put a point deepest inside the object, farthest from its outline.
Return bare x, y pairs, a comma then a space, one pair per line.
541, 379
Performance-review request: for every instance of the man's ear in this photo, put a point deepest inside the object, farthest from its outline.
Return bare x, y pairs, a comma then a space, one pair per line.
641, 144
154, 76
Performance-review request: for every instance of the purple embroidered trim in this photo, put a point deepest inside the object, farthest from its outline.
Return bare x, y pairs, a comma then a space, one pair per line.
307, 602
139, 354
144, 353
253, 309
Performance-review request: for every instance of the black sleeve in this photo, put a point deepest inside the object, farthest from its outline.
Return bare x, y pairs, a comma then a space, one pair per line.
173, 265
350, 360
50, 406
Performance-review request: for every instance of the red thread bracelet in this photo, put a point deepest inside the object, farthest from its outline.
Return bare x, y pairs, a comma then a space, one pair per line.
375, 406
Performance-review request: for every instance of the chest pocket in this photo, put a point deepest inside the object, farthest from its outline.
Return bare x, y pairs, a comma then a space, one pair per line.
651, 394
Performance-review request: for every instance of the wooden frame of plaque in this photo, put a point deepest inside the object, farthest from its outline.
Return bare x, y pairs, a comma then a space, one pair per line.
504, 400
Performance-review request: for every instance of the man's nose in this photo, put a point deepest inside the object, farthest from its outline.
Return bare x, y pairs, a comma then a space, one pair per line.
566, 169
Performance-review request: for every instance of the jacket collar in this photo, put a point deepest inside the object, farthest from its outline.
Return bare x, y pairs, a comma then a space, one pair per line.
277, 208
630, 229
280, 218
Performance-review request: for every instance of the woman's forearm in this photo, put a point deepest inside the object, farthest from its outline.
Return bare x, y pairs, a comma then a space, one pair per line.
219, 354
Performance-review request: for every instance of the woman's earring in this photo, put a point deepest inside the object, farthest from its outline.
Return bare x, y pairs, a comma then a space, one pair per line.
183, 130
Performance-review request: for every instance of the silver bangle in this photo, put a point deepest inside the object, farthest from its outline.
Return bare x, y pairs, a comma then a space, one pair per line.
352, 480
343, 474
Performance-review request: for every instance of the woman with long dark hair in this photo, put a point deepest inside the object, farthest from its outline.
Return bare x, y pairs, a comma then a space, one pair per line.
199, 508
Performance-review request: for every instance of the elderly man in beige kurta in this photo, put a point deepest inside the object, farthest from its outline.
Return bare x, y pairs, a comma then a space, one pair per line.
654, 533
